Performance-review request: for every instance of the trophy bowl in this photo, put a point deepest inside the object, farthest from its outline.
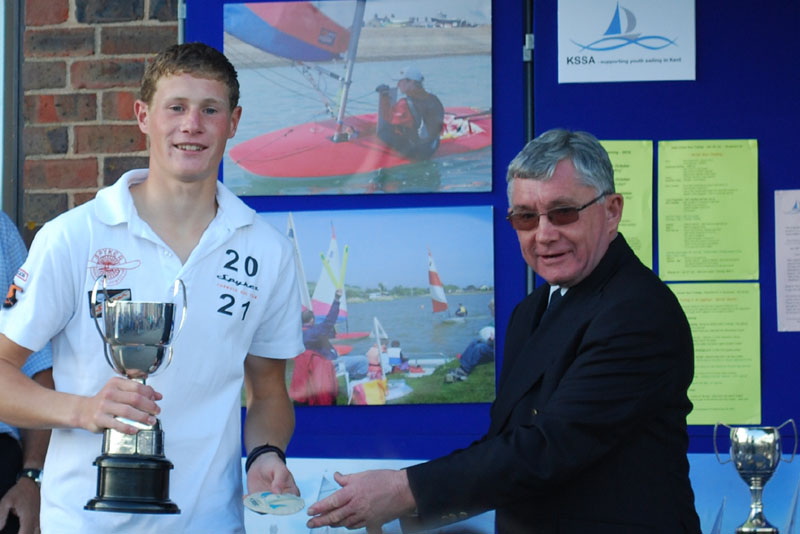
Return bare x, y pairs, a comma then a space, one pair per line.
133, 472
756, 452
138, 337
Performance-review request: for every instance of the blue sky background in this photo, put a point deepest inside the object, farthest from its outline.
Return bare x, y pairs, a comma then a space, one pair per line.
391, 245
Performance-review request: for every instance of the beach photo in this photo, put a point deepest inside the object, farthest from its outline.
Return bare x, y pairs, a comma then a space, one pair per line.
409, 294
355, 97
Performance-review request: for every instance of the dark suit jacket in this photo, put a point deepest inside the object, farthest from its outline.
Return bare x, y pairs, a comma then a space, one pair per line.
588, 430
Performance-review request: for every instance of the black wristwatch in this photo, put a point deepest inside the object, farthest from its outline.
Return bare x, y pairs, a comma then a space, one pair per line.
33, 474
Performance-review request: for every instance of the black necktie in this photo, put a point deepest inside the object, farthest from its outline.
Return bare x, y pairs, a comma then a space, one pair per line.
555, 298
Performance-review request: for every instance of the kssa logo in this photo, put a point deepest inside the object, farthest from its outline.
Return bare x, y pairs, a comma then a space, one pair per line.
619, 34
111, 263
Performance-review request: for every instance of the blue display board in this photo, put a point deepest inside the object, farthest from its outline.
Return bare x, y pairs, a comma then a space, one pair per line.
413, 431
745, 89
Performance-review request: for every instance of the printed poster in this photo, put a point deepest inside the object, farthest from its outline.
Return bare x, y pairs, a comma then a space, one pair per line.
625, 41
417, 302
633, 179
314, 80
708, 210
787, 259
726, 327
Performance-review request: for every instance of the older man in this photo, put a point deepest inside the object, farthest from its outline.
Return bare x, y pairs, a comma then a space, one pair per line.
588, 432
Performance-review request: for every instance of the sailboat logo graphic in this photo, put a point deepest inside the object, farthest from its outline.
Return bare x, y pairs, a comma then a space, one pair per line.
614, 37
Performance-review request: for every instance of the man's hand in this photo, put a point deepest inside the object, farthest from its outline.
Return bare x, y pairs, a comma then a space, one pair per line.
368, 499
382, 88
269, 473
22, 499
120, 397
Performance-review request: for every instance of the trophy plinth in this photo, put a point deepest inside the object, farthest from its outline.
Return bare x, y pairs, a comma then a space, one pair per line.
132, 471
756, 453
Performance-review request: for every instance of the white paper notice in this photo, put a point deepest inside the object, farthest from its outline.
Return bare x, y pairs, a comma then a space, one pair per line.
625, 40
787, 259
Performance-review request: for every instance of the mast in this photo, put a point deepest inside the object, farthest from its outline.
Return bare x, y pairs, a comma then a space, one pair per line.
352, 48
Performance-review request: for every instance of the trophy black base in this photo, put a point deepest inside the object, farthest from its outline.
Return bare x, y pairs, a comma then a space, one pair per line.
132, 484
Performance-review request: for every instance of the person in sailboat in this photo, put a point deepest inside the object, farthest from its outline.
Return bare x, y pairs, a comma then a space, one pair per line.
411, 125
317, 337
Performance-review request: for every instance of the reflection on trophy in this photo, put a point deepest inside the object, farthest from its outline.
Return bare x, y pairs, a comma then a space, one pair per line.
133, 473
756, 452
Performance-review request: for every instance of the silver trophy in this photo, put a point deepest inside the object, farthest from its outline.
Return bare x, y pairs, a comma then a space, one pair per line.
133, 473
756, 452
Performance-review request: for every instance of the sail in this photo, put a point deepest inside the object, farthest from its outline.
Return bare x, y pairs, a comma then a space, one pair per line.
302, 284
294, 30
716, 528
331, 278
791, 520
437, 289
615, 27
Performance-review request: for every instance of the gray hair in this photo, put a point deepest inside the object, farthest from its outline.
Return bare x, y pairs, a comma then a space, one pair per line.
538, 160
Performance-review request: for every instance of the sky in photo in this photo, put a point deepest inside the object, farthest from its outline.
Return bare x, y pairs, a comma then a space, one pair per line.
390, 246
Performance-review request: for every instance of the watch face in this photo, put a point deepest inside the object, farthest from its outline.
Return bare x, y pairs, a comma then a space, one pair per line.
33, 474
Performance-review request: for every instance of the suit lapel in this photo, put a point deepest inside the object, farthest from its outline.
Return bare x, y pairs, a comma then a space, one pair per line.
533, 350
535, 354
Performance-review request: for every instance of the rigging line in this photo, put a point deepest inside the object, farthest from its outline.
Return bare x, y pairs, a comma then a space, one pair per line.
261, 73
305, 71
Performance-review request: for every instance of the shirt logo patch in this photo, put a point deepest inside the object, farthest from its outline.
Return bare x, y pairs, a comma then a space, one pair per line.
111, 263
11, 297
22, 274
113, 295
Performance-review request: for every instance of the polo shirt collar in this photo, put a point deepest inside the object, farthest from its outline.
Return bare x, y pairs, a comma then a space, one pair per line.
114, 204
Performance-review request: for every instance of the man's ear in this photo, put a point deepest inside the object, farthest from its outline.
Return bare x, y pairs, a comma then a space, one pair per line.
236, 114
140, 109
613, 206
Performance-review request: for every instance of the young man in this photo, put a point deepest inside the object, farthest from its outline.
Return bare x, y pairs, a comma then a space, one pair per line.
171, 221
588, 431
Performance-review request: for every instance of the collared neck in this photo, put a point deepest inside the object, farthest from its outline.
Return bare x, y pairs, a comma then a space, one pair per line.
115, 204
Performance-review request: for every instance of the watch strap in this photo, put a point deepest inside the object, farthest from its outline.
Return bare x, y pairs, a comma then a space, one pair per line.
32, 473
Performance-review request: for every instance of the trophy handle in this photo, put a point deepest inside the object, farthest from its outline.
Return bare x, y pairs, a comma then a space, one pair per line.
716, 451
179, 285
794, 451
94, 303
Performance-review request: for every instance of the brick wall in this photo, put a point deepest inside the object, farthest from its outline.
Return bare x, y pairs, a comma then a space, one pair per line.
82, 63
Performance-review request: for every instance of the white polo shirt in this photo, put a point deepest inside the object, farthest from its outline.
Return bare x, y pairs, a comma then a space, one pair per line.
242, 297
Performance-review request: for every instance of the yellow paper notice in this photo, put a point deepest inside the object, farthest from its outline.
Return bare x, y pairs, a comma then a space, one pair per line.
633, 179
708, 210
725, 321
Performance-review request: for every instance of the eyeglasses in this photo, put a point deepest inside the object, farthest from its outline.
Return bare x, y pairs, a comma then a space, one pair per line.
529, 220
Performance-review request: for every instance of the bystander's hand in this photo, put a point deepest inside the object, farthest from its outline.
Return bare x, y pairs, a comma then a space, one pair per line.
22, 500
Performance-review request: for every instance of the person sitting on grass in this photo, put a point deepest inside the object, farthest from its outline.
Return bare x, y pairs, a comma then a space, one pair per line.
479, 351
